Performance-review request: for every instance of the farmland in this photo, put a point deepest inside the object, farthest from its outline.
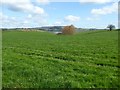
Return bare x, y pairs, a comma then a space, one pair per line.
45, 60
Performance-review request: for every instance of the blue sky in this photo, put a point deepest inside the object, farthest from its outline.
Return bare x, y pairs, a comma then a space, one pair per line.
37, 13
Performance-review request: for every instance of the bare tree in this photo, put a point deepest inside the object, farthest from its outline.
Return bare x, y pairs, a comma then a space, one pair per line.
111, 27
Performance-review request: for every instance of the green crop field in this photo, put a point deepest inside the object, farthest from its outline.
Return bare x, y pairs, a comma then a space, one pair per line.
45, 60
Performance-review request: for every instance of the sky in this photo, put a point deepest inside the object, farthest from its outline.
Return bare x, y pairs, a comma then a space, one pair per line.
37, 13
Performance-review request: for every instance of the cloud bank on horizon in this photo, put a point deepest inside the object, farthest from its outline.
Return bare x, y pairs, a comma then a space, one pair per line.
36, 13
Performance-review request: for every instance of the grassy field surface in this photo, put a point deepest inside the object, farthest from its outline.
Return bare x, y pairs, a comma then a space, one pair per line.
45, 60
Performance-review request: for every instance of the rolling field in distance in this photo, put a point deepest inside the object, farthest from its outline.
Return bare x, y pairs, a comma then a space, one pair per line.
45, 60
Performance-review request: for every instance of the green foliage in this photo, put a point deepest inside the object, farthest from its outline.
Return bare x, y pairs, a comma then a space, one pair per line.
111, 27
44, 60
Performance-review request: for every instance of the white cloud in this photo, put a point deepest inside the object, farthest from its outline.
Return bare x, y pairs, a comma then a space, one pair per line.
71, 18
22, 5
2, 16
36, 15
38, 10
58, 23
96, 1
105, 10
6, 21
44, 2
28, 21
92, 19
5, 18
29, 16
89, 19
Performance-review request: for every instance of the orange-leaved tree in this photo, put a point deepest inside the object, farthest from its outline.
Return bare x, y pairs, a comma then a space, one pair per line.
68, 30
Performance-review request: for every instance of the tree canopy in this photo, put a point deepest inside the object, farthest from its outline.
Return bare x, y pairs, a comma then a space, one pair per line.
68, 30
110, 26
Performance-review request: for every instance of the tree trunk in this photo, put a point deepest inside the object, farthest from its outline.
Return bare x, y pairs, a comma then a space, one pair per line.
110, 29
